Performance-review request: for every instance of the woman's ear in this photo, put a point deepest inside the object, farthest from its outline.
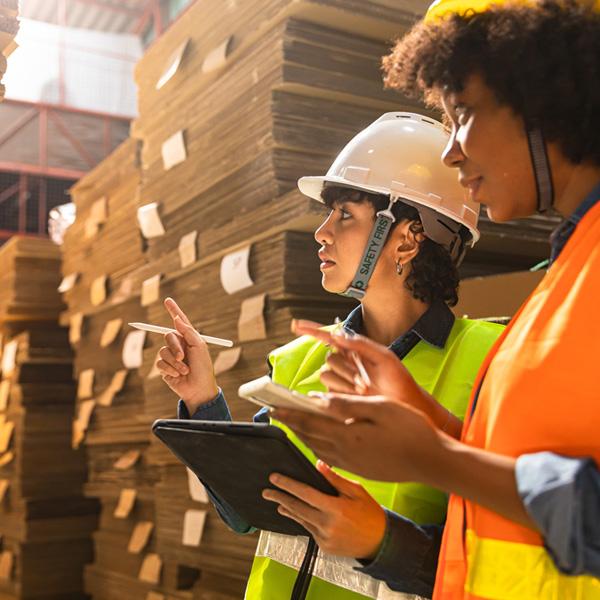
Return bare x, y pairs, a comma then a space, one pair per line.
406, 242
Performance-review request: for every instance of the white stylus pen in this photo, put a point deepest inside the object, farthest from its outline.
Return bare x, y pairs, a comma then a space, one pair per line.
163, 330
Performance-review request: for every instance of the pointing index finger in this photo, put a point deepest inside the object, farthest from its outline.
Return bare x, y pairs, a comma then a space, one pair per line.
174, 310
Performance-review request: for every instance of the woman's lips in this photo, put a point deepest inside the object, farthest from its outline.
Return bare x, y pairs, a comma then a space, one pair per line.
473, 187
326, 264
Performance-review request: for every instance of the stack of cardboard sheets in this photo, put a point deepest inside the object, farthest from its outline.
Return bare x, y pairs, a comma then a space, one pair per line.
45, 521
102, 249
29, 267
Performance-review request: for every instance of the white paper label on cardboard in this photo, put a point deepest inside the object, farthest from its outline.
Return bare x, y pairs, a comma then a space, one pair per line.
227, 359
151, 568
6, 433
251, 323
151, 290
198, 492
133, 349
68, 282
173, 151
235, 275
4, 394
75, 327
188, 253
110, 332
6, 459
98, 290
125, 503
172, 65
127, 460
140, 537
99, 212
116, 385
9, 357
85, 389
91, 228
4, 485
7, 560
193, 527
217, 57
86, 410
149, 221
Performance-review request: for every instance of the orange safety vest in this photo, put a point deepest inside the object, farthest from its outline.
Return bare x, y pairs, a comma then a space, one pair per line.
538, 392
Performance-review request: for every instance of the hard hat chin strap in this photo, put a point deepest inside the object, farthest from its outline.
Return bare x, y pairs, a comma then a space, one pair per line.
541, 169
368, 262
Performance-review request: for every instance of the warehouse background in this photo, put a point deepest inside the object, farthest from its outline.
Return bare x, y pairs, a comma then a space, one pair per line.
177, 130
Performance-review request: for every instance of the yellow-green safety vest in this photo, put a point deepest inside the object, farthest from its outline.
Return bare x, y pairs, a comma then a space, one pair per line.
448, 374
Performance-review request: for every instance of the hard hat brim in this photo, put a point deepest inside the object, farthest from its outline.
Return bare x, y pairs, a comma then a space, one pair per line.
312, 186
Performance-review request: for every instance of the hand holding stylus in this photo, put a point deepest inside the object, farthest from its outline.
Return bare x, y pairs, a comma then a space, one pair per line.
184, 362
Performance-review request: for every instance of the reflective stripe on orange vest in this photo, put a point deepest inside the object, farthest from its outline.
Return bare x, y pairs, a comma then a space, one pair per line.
539, 393
493, 563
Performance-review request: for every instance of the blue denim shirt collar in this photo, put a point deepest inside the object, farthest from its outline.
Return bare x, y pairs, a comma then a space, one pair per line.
565, 230
433, 327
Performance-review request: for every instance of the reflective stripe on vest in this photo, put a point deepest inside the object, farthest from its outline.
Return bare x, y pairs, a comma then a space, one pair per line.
289, 550
496, 562
539, 393
446, 373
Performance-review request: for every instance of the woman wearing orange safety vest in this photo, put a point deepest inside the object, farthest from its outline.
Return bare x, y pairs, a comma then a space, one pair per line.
519, 84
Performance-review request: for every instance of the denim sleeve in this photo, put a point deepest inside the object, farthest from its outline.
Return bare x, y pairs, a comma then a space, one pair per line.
407, 559
217, 410
562, 496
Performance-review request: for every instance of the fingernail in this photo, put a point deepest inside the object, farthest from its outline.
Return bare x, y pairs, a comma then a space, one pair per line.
273, 478
322, 397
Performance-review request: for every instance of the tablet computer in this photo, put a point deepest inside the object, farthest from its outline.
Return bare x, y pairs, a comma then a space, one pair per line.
265, 392
235, 460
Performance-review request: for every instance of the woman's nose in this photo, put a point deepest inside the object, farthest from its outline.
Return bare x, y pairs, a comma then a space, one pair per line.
453, 156
324, 233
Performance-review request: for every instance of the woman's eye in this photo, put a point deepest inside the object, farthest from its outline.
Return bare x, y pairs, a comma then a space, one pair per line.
462, 114
345, 214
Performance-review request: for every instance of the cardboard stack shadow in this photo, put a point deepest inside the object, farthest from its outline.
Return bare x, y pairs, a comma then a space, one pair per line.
45, 520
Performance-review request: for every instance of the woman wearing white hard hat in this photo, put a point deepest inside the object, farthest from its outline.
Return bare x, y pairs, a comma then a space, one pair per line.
397, 228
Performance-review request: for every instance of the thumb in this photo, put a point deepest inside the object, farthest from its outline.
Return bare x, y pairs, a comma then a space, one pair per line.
369, 350
342, 484
189, 334
350, 407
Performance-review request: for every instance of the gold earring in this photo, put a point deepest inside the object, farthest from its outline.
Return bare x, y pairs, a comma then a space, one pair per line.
399, 267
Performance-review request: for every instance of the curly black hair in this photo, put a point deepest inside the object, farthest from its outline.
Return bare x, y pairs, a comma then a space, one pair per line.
541, 60
433, 275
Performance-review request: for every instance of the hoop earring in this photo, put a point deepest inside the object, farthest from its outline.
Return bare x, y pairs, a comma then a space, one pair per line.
399, 267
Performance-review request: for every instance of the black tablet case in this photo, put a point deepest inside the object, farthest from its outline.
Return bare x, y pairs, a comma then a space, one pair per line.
235, 460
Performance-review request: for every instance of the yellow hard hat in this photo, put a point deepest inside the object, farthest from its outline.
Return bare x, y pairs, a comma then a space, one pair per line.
443, 8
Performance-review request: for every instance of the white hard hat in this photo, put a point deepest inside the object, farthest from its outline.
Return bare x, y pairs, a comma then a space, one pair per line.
399, 155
